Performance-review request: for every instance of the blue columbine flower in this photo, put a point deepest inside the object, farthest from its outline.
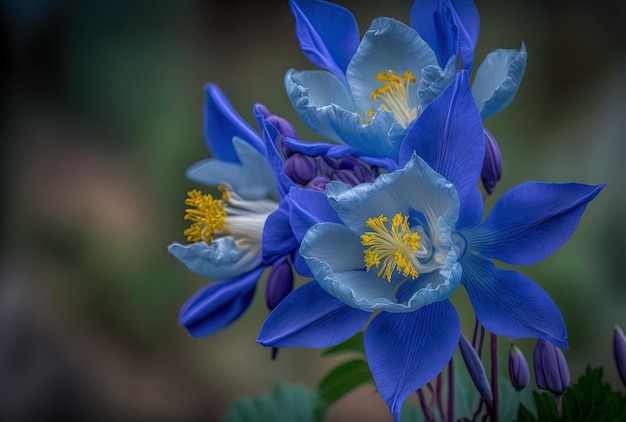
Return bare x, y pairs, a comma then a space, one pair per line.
227, 229
406, 241
376, 88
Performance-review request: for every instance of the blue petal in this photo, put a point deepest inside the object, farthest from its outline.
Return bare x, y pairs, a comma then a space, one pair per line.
497, 79
328, 33
449, 137
222, 123
252, 179
274, 158
310, 317
405, 351
307, 208
470, 19
433, 20
220, 260
278, 238
388, 44
531, 221
508, 303
219, 304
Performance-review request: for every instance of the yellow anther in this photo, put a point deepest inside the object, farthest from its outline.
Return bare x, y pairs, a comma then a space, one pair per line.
391, 250
206, 216
394, 95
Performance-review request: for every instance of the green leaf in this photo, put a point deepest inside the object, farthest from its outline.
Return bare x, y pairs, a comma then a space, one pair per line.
591, 399
344, 378
353, 344
286, 403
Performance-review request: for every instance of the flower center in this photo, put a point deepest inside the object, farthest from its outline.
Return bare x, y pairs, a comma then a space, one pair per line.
394, 95
229, 215
391, 249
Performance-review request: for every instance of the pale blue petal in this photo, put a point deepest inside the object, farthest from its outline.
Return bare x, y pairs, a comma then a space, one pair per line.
415, 187
497, 79
435, 81
379, 138
406, 351
531, 221
310, 317
335, 256
220, 260
387, 45
508, 303
312, 93
328, 33
253, 179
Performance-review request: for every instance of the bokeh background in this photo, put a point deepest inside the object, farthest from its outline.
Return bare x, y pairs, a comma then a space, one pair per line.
101, 114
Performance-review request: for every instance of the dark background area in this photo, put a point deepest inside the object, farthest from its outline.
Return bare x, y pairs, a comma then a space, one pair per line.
101, 114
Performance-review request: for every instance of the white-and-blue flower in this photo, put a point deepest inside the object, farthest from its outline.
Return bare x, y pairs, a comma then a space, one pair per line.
406, 241
374, 90
227, 229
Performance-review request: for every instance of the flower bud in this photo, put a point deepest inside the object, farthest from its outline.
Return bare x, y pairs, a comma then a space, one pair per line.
279, 283
326, 165
346, 176
476, 370
518, 368
318, 183
282, 126
619, 348
360, 171
300, 168
551, 371
492, 164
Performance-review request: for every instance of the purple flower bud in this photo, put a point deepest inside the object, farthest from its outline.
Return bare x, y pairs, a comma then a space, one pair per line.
551, 371
264, 111
300, 168
326, 165
492, 164
279, 283
619, 348
282, 126
346, 176
518, 368
361, 172
318, 183
476, 370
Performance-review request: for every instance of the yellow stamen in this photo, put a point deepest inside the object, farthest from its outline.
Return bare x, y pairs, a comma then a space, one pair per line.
206, 216
394, 95
391, 250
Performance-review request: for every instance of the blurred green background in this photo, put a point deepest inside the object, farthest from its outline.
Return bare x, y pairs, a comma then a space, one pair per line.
101, 114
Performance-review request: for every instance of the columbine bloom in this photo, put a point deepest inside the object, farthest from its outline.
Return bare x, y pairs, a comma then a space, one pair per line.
376, 88
406, 241
227, 228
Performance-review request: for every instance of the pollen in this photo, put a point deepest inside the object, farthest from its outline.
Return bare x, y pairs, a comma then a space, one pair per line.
391, 249
394, 95
206, 215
